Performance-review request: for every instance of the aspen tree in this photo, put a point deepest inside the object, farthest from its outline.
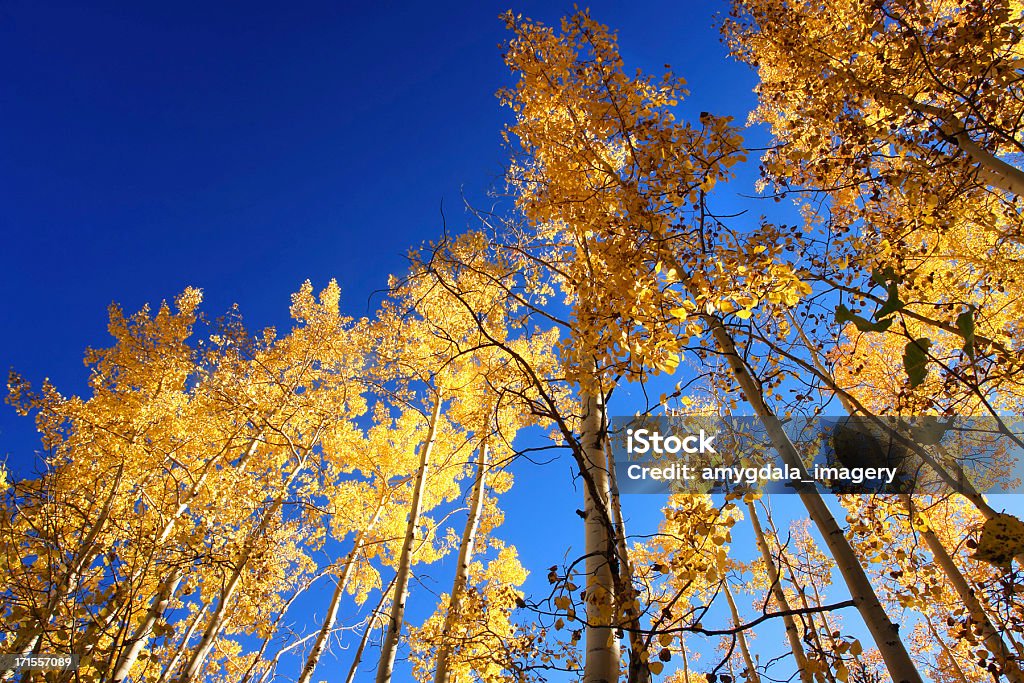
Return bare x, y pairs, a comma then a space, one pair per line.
466, 548
590, 137
636, 191
809, 571
257, 656
779, 593
906, 118
918, 525
932, 585
145, 368
183, 426
389, 648
321, 335
375, 620
197, 660
750, 673
446, 329
882, 629
181, 648
691, 553
639, 671
341, 585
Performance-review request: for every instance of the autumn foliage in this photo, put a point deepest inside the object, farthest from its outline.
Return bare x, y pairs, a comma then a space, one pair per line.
227, 504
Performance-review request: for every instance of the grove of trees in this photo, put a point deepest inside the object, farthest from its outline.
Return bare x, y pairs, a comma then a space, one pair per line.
215, 477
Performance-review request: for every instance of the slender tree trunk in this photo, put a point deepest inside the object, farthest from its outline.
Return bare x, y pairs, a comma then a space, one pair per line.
811, 630
138, 641
638, 672
389, 648
979, 618
826, 628
371, 624
248, 675
884, 632
168, 528
466, 547
339, 591
810, 625
779, 593
954, 663
357, 658
602, 644
183, 647
751, 676
272, 664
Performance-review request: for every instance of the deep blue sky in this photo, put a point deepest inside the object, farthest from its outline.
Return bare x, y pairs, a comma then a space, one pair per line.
245, 147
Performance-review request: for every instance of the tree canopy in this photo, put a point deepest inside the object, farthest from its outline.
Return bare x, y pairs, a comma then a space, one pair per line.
326, 501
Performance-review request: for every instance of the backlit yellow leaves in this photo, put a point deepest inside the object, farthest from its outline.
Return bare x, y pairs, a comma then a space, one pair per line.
615, 187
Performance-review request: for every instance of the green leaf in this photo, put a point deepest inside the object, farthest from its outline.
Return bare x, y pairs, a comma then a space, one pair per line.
915, 360
880, 277
887, 278
965, 323
892, 304
844, 315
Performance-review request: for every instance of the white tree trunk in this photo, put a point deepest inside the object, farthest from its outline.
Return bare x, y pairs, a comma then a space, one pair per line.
389, 648
138, 641
792, 632
751, 674
339, 591
197, 660
183, 646
377, 616
128, 584
602, 644
466, 548
979, 618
